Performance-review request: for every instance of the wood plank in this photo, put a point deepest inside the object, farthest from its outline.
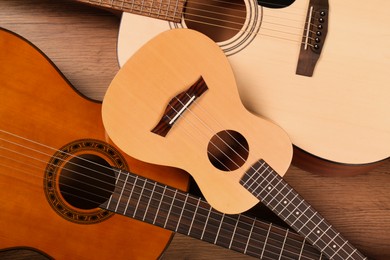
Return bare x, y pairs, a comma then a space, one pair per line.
81, 41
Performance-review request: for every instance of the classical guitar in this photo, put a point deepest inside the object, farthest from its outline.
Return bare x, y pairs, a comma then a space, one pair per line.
57, 173
188, 115
48, 132
319, 69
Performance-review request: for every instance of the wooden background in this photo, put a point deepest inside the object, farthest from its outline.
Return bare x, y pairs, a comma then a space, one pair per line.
81, 41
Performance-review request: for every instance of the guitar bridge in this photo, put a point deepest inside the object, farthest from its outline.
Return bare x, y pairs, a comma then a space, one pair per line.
178, 105
316, 29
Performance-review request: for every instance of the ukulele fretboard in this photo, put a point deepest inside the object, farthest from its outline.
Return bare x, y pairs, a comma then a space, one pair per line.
169, 208
269, 187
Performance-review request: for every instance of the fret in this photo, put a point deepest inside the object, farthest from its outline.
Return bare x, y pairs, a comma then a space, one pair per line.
193, 218
219, 228
139, 198
117, 186
181, 212
300, 253
130, 194
163, 206
187, 219
175, 221
276, 247
249, 237
306, 223
160, 9
212, 226
205, 225
123, 188
234, 231
149, 201
265, 242
170, 209
168, 7
264, 183
226, 230
284, 242
159, 205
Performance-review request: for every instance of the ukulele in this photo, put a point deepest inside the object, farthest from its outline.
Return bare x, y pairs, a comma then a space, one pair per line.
298, 63
58, 171
177, 97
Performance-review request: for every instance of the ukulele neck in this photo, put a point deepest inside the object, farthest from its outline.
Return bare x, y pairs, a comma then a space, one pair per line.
167, 10
169, 208
269, 187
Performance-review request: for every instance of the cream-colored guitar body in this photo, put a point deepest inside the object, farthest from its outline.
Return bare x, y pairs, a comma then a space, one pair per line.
340, 113
141, 91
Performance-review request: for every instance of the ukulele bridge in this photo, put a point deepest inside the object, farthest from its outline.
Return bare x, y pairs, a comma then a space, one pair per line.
178, 105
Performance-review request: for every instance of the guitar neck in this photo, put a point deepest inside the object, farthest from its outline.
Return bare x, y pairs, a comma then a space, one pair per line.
168, 10
169, 208
264, 183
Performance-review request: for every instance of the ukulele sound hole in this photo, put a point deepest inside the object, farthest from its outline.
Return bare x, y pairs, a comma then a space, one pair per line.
228, 150
86, 181
219, 20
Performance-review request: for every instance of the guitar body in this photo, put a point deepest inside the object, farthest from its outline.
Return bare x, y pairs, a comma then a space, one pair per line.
39, 114
339, 114
150, 83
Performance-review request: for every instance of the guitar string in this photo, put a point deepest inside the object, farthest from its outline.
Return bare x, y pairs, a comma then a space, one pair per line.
139, 186
323, 232
59, 159
160, 5
260, 33
296, 206
262, 27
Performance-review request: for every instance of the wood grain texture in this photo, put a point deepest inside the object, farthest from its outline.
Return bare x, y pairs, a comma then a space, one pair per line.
334, 105
82, 43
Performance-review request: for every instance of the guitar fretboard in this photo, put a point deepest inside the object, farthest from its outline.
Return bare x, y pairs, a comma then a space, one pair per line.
169, 208
168, 10
269, 187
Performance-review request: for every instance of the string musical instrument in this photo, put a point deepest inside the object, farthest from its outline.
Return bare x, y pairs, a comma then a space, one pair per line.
295, 64
58, 169
45, 128
189, 115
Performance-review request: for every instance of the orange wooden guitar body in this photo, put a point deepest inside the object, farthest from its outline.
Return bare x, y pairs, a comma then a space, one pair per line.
39, 104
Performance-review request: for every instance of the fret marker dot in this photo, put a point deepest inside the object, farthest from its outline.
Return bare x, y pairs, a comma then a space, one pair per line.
318, 231
297, 212
334, 246
269, 187
285, 202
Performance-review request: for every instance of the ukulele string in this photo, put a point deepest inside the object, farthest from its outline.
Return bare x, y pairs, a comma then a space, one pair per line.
240, 30
88, 184
314, 211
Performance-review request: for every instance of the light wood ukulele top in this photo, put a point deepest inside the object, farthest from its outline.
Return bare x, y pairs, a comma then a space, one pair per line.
168, 65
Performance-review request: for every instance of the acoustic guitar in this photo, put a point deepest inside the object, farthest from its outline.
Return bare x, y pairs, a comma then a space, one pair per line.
188, 115
58, 171
47, 132
317, 68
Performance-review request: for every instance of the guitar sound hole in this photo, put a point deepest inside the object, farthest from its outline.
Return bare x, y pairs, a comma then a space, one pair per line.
219, 20
86, 181
228, 150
